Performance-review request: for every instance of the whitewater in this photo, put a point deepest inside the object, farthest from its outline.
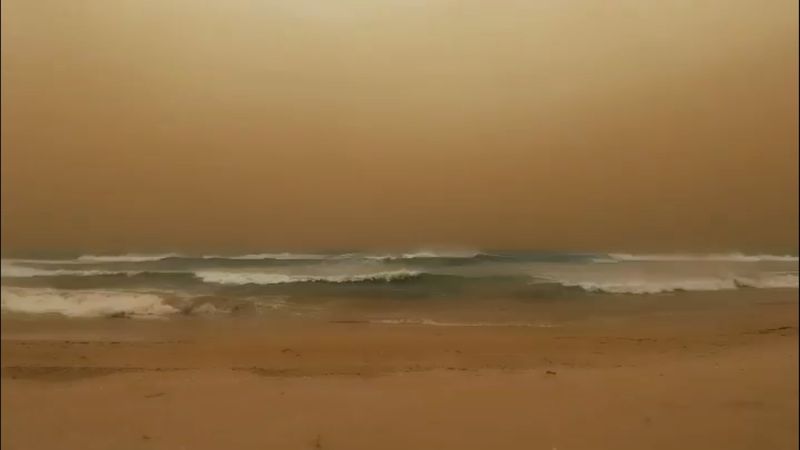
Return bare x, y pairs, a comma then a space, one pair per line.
133, 285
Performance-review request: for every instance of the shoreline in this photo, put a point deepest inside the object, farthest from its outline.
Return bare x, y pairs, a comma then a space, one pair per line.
722, 378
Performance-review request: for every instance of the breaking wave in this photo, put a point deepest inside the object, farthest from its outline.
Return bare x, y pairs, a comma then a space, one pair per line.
125, 258
426, 254
281, 256
84, 303
417, 274
634, 286
10, 270
241, 278
721, 257
276, 256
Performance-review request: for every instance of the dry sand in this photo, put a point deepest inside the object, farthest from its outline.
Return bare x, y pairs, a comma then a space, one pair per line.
700, 380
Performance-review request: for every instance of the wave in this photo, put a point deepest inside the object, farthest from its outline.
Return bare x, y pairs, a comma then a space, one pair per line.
40, 261
84, 303
428, 254
721, 257
10, 270
126, 258
276, 256
778, 280
280, 256
241, 278
468, 273
604, 260
633, 286
422, 254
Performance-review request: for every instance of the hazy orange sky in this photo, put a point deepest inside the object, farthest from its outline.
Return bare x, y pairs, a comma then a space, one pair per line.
133, 125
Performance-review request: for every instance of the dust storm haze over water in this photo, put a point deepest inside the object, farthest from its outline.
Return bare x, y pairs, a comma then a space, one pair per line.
299, 124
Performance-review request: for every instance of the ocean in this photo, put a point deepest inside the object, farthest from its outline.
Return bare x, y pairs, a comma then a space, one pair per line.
390, 287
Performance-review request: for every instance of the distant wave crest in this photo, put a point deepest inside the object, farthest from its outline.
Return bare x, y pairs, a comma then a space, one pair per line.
428, 254
723, 257
125, 258
10, 270
277, 256
242, 278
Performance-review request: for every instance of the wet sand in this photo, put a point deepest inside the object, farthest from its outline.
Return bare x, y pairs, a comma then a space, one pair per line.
723, 379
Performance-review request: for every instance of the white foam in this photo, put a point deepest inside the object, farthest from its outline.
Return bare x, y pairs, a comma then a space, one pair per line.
11, 270
722, 257
424, 254
278, 256
207, 309
240, 278
84, 303
40, 261
656, 286
776, 281
601, 260
126, 258
319, 256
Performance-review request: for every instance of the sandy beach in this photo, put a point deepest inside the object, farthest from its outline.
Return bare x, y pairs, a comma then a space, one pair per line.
399, 225
692, 379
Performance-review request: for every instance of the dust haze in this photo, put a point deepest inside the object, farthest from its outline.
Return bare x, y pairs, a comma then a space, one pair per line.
241, 125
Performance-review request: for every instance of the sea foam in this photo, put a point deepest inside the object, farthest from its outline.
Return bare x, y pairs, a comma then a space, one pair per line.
241, 278
279, 256
11, 270
656, 286
84, 303
125, 258
721, 257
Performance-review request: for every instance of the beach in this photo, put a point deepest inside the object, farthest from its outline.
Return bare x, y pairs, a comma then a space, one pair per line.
719, 377
399, 225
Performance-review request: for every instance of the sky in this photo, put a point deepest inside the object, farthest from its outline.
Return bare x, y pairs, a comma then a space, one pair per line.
242, 125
